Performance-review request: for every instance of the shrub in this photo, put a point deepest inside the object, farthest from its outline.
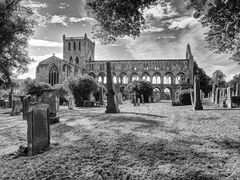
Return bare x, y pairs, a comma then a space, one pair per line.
183, 98
62, 91
96, 92
144, 88
37, 88
81, 88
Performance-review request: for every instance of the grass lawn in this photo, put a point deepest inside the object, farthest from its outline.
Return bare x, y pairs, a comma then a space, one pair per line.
152, 141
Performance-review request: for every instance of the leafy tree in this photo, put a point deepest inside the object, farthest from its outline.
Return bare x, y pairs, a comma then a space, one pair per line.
141, 87
125, 18
62, 91
218, 78
81, 87
16, 25
236, 80
38, 87
28, 83
205, 85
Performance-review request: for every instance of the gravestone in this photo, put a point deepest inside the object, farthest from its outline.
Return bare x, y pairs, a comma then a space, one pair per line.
229, 98
138, 101
134, 99
238, 89
112, 105
150, 99
217, 96
16, 107
197, 100
38, 131
26, 106
192, 97
50, 97
70, 103
214, 92
101, 96
142, 97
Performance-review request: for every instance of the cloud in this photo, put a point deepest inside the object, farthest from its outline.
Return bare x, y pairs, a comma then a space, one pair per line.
59, 19
153, 29
34, 4
63, 5
182, 23
82, 19
44, 43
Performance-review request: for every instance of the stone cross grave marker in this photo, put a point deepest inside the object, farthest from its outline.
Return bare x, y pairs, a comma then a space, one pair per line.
197, 100
38, 131
112, 104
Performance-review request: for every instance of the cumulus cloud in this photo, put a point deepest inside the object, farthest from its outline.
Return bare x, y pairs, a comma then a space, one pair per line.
82, 19
44, 43
183, 22
59, 19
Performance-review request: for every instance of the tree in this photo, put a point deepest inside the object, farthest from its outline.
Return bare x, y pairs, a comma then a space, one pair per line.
16, 25
62, 92
236, 80
218, 78
125, 18
37, 88
205, 85
141, 87
81, 88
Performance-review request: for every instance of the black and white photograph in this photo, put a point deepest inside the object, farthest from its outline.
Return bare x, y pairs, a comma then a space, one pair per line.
120, 89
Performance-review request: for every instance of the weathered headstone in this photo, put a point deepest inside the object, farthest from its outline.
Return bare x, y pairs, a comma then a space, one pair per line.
214, 92
70, 103
229, 98
217, 96
112, 105
134, 99
238, 89
197, 100
26, 106
50, 97
16, 107
142, 97
138, 101
38, 131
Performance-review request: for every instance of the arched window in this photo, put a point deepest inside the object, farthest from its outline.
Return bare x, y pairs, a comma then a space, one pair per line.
74, 46
114, 79
123, 79
53, 75
71, 60
156, 79
92, 75
77, 60
179, 78
79, 46
134, 77
105, 80
69, 46
100, 79
146, 77
64, 68
167, 79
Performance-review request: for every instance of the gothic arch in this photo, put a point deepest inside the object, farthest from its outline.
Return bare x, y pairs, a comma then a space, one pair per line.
134, 77
146, 76
179, 77
168, 91
77, 60
92, 75
71, 60
123, 78
53, 77
168, 78
102, 78
156, 78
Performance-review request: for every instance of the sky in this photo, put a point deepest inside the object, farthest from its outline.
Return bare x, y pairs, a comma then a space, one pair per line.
168, 30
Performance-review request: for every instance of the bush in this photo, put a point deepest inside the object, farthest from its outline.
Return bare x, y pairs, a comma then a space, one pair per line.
37, 88
81, 87
144, 88
96, 92
183, 98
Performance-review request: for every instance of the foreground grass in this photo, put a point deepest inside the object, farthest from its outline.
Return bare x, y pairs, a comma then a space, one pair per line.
153, 141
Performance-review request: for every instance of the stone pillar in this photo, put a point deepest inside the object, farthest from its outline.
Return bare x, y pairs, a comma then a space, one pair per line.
142, 97
112, 105
197, 100
214, 92
229, 98
192, 97
217, 96
238, 89
26, 106
50, 97
38, 131
134, 99
138, 101
70, 103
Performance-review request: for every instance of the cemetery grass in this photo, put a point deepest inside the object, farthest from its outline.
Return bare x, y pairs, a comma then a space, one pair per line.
153, 141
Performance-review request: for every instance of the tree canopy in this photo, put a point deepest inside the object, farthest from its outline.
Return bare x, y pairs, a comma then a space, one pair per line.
125, 18
16, 25
236, 80
218, 78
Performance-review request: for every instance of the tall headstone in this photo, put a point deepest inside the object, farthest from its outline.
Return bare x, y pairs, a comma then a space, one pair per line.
217, 96
70, 103
238, 89
26, 106
214, 92
112, 105
16, 107
142, 97
50, 97
38, 131
134, 99
197, 100
229, 98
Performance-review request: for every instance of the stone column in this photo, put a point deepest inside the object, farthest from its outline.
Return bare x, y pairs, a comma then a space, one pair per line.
26, 106
214, 92
197, 100
217, 96
142, 97
112, 105
229, 98
238, 89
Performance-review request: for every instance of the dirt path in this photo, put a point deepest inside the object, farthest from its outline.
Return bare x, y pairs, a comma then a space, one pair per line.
153, 141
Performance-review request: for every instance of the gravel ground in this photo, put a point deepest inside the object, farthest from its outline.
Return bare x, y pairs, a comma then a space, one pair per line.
153, 141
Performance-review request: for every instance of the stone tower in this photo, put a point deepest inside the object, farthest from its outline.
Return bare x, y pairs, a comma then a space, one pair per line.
78, 50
